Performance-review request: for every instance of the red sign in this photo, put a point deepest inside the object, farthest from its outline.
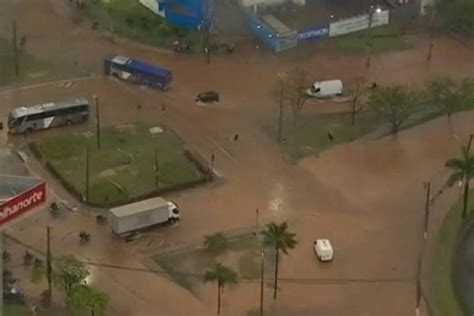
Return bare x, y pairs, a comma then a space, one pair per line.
23, 202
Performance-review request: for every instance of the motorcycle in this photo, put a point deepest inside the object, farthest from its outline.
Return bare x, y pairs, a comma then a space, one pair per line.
84, 237
28, 258
54, 209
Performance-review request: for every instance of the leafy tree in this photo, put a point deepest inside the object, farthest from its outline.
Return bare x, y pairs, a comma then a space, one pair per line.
393, 104
67, 272
222, 275
448, 95
463, 170
277, 236
295, 93
215, 243
457, 15
85, 297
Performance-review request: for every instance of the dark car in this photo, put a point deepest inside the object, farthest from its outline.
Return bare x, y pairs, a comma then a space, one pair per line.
208, 96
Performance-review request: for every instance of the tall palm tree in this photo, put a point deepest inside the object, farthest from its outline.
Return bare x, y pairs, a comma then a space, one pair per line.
222, 275
278, 237
463, 170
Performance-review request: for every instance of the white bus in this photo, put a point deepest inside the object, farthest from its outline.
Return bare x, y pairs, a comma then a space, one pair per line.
41, 116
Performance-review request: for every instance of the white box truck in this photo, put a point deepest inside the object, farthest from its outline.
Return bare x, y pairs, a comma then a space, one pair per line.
325, 89
134, 216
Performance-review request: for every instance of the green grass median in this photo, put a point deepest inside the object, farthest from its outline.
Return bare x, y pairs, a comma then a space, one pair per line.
123, 168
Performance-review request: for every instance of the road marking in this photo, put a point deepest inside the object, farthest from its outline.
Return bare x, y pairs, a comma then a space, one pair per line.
223, 150
63, 82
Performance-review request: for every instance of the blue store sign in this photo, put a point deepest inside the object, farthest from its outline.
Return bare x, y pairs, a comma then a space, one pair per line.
317, 31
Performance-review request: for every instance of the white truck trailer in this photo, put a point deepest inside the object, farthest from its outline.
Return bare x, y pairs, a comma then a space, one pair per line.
134, 216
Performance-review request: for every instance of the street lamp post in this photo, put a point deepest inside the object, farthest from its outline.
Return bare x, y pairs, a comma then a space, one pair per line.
262, 269
281, 77
369, 37
256, 221
372, 11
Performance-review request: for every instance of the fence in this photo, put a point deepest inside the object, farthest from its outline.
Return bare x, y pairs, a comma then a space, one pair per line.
320, 30
358, 23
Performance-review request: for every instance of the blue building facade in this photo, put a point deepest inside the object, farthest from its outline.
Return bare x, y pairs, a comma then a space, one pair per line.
188, 13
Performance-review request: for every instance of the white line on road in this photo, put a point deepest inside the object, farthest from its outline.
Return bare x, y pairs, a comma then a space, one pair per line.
223, 150
38, 85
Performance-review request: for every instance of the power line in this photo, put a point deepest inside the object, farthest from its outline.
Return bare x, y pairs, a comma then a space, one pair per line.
293, 280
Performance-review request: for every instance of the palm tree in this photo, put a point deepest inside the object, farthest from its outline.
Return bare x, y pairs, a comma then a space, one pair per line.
278, 237
463, 170
222, 275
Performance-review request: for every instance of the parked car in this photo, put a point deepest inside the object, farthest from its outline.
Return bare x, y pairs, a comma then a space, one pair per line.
208, 96
323, 249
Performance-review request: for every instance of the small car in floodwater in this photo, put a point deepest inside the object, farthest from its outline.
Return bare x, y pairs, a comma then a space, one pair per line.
208, 96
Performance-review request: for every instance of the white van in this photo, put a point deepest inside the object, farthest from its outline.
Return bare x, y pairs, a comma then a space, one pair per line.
323, 249
325, 89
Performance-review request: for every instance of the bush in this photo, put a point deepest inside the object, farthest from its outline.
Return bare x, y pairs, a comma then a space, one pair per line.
216, 243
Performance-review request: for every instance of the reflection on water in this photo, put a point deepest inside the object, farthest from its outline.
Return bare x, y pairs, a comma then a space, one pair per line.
11, 164
278, 197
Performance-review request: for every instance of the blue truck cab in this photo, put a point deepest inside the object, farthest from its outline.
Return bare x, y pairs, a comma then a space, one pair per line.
138, 72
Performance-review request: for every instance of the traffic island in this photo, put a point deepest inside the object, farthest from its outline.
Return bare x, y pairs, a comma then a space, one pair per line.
186, 265
445, 282
132, 162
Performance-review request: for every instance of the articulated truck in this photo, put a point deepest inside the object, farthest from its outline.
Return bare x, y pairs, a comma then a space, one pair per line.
131, 217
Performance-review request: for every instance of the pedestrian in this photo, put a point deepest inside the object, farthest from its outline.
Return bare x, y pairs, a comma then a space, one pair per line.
236, 137
330, 136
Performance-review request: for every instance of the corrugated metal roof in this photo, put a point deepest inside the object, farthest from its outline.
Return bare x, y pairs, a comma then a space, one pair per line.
276, 24
13, 185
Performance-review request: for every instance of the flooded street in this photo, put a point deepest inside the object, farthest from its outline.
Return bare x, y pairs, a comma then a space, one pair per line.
366, 196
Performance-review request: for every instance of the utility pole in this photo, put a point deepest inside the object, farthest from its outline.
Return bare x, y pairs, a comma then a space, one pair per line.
87, 170
261, 281
156, 167
15, 48
369, 36
431, 31
1, 274
418, 282
207, 27
427, 209
256, 221
282, 77
208, 49
49, 268
97, 120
